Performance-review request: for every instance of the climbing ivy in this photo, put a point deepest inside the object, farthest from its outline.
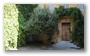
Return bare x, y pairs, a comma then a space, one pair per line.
78, 29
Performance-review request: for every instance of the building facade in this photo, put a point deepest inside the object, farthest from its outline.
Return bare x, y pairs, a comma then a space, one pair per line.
52, 6
65, 25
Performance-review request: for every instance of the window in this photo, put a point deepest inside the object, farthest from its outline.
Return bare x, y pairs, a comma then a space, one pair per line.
40, 5
81, 7
66, 5
51, 7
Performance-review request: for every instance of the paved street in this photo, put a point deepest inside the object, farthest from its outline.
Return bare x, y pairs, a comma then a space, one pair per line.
63, 45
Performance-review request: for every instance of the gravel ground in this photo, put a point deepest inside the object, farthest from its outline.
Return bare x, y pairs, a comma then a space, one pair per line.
63, 45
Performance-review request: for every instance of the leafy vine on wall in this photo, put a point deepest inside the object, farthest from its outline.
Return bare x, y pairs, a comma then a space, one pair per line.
78, 29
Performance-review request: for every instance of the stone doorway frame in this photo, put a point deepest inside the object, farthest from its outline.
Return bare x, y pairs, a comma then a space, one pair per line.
65, 19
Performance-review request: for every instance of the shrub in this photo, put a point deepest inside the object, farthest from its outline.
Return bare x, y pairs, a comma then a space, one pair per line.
42, 21
23, 16
26, 9
10, 26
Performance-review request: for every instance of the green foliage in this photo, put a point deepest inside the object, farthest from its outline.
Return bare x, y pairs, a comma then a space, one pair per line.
10, 26
78, 29
78, 32
21, 36
42, 21
23, 16
26, 9
14, 22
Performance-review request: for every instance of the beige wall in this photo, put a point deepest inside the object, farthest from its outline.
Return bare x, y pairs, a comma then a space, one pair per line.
73, 5
46, 5
70, 5
58, 5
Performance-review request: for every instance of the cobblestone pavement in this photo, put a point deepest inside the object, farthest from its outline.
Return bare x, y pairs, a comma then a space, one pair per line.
63, 45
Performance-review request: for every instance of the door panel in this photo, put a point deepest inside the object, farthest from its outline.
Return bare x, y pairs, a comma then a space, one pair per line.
66, 31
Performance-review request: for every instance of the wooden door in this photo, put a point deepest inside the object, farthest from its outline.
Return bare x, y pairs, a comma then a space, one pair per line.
66, 31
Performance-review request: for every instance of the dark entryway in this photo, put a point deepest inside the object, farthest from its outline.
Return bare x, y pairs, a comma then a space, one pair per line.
66, 35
